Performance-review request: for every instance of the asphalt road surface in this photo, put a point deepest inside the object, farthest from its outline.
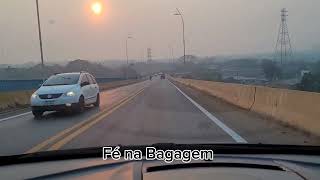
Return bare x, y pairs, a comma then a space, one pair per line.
156, 111
20, 132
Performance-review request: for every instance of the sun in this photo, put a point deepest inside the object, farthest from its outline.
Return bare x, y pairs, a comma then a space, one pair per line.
96, 8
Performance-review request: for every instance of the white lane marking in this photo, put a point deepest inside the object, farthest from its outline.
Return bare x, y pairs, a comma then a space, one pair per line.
11, 117
229, 131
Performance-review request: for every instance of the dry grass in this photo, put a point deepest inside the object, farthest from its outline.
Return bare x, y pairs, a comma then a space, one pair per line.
12, 100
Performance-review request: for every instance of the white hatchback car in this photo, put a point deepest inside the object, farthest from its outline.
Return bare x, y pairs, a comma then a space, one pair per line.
67, 91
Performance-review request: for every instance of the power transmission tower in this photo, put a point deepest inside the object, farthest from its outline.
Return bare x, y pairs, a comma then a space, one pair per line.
283, 46
149, 54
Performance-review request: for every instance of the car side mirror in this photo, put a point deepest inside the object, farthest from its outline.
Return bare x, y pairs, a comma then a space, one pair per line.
84, 84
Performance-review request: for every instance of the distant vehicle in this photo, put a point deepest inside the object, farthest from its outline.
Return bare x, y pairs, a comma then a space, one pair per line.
162, 76
66, 91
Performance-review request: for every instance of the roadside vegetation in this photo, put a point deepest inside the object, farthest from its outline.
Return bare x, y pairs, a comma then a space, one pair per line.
311, 80
296, 74
96, 69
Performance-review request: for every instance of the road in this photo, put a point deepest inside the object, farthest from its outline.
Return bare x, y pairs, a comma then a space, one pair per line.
21, 132
156, 111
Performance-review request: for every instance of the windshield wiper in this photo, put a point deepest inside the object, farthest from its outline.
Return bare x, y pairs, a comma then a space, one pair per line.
55, 84
96, 152
240, 148
51, 156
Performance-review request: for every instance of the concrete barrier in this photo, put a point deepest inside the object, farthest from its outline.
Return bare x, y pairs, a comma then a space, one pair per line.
296, 108
240, 95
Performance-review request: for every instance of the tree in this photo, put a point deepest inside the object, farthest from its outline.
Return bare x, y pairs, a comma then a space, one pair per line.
316, 68
271, 70
310, 82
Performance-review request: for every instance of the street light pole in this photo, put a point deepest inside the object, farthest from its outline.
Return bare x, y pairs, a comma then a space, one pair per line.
40, 39
127, 69
127, 52
183, 35
172, 56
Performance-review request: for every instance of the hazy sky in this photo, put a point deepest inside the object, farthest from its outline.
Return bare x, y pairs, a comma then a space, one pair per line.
213, 27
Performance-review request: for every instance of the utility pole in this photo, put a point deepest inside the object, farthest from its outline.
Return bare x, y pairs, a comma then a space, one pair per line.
127, 56
40, 39
149, 54
171, 54
283, 46
183, 34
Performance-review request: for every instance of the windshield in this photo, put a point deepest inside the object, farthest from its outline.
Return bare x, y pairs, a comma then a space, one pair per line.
62, 79
158, 71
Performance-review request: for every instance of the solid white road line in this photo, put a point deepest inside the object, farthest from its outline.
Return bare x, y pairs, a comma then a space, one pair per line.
229, 131
11, 117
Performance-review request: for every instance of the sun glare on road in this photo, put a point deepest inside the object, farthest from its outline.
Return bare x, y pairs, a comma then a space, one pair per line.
96, 8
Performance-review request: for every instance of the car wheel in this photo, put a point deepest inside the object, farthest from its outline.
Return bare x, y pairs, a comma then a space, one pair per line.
97, 103
37, 114
80, 105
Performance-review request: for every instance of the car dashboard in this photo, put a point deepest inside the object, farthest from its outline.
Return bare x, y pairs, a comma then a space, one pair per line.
222, 167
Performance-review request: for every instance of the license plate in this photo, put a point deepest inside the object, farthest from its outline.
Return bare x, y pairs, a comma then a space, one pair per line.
49, 102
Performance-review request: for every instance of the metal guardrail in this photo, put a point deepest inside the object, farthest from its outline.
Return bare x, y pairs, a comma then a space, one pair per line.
18, 85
